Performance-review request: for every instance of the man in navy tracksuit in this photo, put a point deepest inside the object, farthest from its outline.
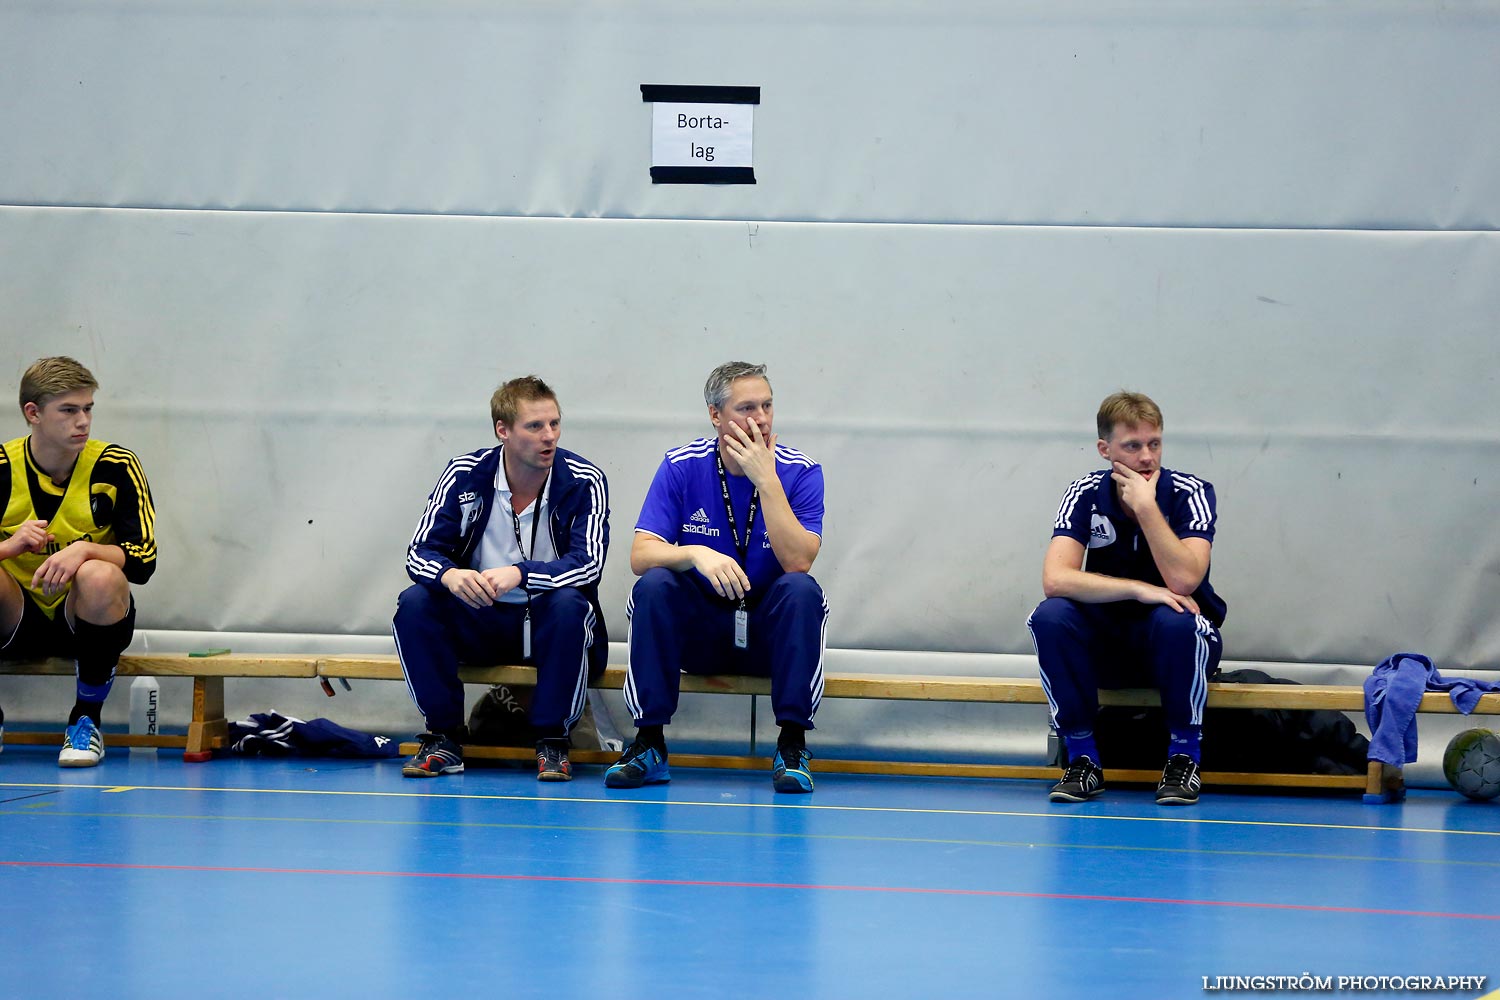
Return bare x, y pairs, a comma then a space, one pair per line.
507, 559
1142, 607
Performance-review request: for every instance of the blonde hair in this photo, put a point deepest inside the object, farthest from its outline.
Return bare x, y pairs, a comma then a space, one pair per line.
52, 377
507, 400
1127, 408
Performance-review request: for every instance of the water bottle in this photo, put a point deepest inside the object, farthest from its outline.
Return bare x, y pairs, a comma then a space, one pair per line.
144, 697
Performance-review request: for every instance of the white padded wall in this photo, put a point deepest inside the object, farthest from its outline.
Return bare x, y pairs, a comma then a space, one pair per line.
300, 242
1099, 112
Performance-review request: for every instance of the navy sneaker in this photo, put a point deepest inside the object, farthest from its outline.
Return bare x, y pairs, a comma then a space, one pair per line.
640, 764
1080, 782
791, 770
437, 755
83, 744
552, 761
1179, 782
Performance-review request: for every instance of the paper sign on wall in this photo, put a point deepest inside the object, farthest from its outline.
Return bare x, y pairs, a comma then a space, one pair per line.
702, 135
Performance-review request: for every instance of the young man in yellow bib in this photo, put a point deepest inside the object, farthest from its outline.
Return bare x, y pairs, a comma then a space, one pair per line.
77, 531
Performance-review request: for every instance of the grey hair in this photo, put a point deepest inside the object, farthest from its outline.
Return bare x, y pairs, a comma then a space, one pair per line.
716, 389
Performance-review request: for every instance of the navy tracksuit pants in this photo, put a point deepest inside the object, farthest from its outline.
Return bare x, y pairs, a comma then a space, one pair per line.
1083, 647
435, 632
677, 624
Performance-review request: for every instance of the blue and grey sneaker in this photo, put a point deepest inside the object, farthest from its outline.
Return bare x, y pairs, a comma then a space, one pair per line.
791, 770
640, 764
83, 744
436, 755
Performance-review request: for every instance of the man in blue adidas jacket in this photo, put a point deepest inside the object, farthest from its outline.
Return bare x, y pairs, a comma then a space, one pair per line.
1142, 608
507, 559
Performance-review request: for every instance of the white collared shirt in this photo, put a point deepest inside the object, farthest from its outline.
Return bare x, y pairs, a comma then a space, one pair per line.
498, 545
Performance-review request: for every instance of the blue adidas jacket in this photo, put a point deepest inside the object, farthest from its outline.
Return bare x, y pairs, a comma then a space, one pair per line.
459, 508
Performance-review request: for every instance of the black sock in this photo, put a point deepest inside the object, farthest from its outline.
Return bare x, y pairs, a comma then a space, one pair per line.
793, 737
97, 649
93, 709
652, 736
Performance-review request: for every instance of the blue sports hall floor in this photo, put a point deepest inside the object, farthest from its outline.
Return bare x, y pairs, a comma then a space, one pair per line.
149, 877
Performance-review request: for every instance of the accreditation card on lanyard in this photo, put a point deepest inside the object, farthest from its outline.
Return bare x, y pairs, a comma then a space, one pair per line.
741, 613
515, 523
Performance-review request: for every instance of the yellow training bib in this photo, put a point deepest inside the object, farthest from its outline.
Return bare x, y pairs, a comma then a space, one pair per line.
73, 522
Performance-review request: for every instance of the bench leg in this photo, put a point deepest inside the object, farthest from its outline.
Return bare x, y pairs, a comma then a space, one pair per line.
208, 728
1384, 783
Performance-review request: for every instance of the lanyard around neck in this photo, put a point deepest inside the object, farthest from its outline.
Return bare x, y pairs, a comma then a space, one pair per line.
734, 533
536, 520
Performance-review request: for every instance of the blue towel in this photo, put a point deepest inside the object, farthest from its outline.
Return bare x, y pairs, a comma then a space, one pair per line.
1393, 692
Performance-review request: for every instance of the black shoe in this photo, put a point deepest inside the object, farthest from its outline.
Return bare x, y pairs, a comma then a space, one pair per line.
1179, 782
1080, 782
640, 764
436, 755
552, 761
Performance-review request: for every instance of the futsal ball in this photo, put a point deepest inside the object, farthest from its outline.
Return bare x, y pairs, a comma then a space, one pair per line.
1472, 764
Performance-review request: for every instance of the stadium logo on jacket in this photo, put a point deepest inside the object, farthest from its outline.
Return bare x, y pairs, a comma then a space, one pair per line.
471, 511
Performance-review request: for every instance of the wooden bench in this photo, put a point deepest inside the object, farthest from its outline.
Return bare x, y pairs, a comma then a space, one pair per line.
208, 730
1380, 780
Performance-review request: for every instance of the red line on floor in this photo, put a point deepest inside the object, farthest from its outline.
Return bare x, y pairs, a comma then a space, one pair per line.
708, 884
